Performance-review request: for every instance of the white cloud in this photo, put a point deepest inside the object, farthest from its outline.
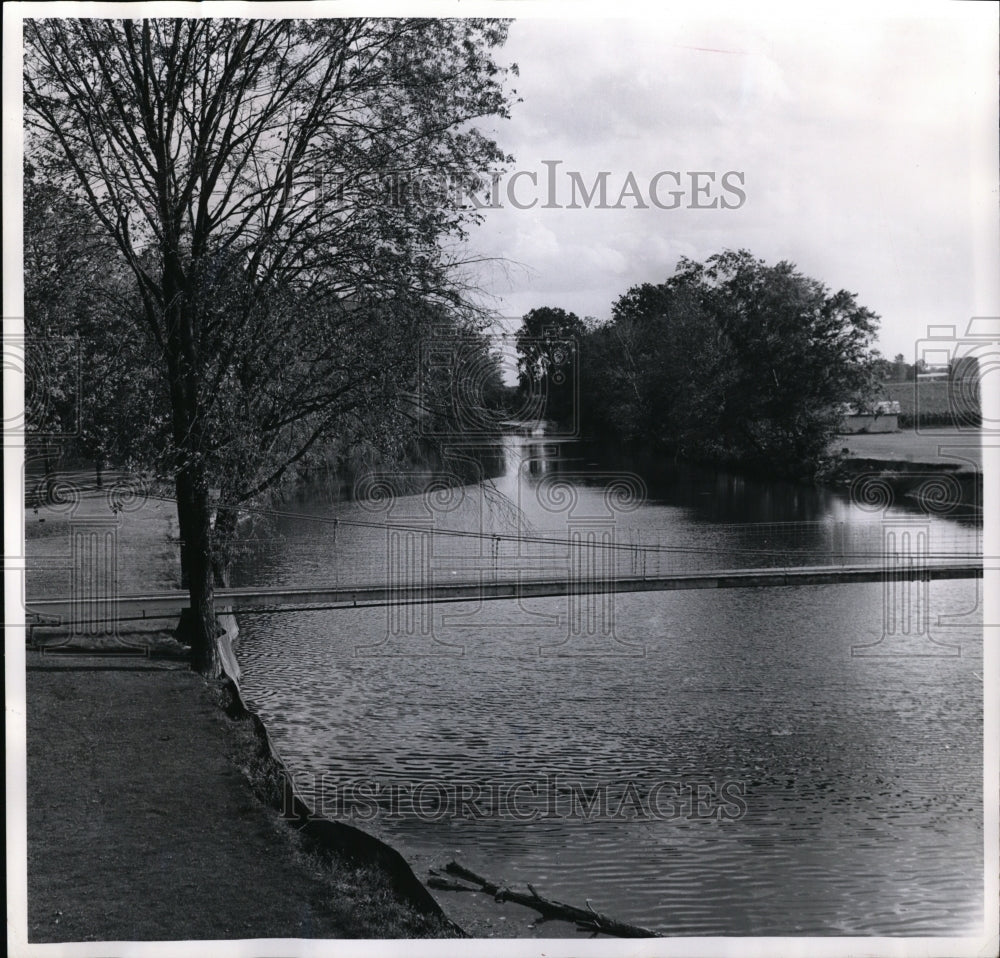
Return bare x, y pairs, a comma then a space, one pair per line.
859, 139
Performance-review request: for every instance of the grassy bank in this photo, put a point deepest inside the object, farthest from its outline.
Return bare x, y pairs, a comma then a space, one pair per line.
154, 814
156, 807
931, 446
938, 471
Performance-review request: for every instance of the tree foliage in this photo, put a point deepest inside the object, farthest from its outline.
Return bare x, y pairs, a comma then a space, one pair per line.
89, 382
731, 360
246, 172
548, 349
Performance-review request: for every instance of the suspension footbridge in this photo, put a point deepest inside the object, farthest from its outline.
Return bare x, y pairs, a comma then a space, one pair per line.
420, 562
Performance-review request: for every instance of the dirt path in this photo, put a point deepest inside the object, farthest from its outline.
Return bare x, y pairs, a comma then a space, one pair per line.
141, 825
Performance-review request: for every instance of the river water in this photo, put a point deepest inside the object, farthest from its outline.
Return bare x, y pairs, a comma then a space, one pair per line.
778, 761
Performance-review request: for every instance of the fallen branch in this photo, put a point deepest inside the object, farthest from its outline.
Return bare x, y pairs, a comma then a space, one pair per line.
446, 884
585, 918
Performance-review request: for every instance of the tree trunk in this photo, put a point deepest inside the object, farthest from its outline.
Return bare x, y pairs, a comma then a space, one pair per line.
198, 626
224, 535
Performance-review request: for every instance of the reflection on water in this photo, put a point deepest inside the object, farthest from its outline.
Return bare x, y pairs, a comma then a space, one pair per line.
744, 772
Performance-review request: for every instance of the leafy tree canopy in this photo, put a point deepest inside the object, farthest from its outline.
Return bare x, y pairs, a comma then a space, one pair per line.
731, 360
259, 182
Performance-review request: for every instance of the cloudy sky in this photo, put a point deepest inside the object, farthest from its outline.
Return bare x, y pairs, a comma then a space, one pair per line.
866, 144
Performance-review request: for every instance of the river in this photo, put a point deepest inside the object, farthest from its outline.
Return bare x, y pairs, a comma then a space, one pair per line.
778, 761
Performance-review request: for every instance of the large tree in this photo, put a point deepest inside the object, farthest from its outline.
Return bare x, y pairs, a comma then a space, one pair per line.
277, 191
798, 351
732, 360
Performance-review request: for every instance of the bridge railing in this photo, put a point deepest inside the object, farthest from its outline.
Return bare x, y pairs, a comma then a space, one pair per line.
414, 554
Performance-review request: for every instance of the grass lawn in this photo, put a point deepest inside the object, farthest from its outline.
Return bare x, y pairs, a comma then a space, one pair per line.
144, 820
142, 824
932, 445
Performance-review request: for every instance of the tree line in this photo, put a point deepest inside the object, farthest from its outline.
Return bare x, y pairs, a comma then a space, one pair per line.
898, 370
732, 361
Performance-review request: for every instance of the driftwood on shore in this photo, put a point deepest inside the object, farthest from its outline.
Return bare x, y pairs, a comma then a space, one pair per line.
587, 919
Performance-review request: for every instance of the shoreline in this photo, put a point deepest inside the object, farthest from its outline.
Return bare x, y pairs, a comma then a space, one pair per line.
323, 836
908, 482
148, 783
328, 845
935, 470
932, 484
472, 914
